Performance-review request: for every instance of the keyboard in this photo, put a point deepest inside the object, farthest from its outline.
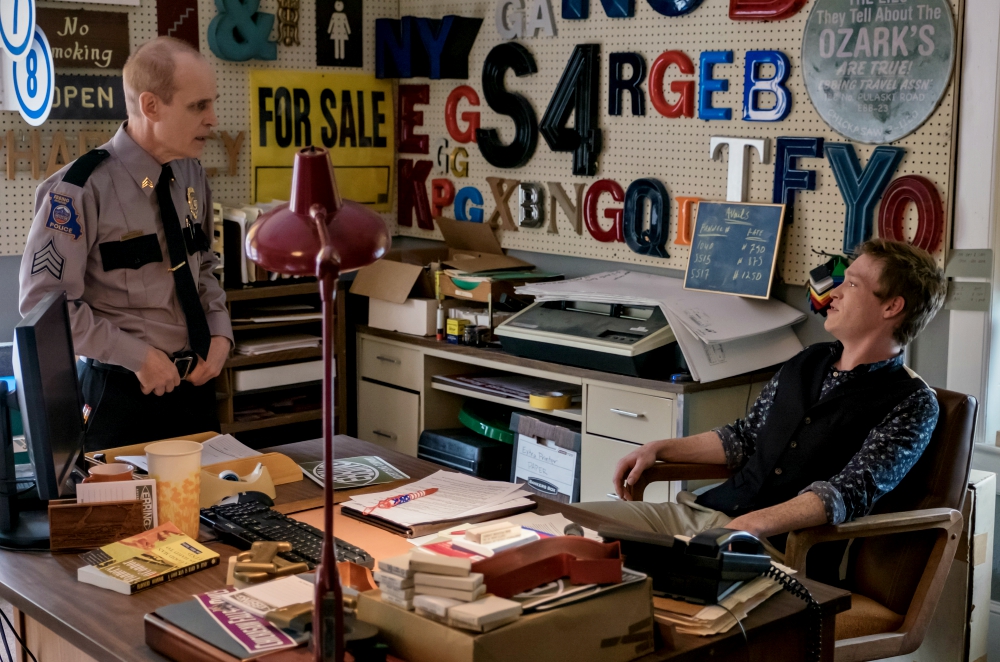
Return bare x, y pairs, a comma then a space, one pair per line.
243, 524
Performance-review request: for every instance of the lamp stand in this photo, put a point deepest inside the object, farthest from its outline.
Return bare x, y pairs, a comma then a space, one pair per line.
328, 604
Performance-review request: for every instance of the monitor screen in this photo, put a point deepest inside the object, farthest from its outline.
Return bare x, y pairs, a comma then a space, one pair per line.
49, 394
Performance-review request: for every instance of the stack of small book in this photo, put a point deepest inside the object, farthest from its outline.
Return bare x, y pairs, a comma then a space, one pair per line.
706, 621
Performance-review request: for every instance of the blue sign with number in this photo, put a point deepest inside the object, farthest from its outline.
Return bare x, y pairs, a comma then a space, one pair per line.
34, 80
17, 25
734, 248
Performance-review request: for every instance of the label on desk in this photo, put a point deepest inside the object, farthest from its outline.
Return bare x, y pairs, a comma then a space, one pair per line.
549, 471
253, 633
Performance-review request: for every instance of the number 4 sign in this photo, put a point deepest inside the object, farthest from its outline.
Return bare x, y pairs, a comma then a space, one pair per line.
17, 24
28, 85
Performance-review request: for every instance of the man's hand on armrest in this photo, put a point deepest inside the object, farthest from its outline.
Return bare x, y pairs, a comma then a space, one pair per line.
704, 448
803, 511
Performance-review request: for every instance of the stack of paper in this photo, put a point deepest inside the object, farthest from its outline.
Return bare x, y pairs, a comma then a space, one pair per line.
720, 335
271, 344
221, 448
458, 496
707, 621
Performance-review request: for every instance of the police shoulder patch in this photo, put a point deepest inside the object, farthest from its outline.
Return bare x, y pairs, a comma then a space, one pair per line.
48, 260
62, 216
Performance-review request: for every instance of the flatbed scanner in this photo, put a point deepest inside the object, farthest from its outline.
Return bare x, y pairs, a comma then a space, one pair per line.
628, 340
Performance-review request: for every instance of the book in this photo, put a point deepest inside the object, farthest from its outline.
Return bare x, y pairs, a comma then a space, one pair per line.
353, 472
145, 560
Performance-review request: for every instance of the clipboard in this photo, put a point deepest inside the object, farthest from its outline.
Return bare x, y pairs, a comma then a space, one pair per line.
417, 530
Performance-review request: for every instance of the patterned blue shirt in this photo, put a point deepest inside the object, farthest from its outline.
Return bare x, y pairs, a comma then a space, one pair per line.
887, 454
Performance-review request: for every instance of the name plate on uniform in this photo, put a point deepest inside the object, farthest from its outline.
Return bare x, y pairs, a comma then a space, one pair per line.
734, 248
85, 97
86, 39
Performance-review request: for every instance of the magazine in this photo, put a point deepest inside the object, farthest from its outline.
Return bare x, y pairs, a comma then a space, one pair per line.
353, 472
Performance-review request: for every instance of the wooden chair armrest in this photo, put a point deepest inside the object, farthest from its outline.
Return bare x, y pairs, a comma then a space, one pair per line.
799, 542
666, 471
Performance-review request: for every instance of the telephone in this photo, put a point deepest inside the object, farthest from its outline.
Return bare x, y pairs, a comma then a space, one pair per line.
704, 570
708, 567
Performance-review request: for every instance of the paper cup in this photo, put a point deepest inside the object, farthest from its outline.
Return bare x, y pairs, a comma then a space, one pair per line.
176, 467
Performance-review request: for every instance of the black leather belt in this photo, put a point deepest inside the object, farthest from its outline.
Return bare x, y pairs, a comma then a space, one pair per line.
183, 361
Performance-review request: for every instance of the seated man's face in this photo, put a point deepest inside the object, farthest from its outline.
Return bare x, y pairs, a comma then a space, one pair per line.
856, 310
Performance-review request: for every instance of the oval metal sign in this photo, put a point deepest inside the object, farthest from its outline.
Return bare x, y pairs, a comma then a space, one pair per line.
876, 71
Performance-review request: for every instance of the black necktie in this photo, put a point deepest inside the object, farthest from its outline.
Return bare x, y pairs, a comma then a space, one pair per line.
187, 292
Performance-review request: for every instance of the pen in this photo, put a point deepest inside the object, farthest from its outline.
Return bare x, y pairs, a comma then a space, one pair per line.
400, 499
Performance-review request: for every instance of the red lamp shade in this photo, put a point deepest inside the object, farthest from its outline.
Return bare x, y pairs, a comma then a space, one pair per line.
285, 239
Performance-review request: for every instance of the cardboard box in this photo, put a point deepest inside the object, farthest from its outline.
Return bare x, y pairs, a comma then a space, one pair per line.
958, 631
415, 316
403, 275
614, 627
555, 445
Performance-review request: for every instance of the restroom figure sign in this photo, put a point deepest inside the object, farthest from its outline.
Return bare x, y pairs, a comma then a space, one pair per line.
339, 33
339, 30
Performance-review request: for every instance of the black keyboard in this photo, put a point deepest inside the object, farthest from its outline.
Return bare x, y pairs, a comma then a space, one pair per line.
243, 524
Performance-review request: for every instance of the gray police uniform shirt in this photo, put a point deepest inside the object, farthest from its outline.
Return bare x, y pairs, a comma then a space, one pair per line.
79, 240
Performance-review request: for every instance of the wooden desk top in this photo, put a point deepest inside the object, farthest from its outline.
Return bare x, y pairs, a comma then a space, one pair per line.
470, 354
109, 626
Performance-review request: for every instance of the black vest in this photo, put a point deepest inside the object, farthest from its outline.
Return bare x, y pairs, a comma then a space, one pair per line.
806, 439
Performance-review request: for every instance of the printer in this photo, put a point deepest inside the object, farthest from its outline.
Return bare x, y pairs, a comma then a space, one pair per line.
624, 339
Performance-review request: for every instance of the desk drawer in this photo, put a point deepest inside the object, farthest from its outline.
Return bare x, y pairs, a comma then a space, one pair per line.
634, 417
389, 417
597, 467
391, 364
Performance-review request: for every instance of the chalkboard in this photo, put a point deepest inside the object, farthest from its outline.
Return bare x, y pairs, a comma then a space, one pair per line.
734, 249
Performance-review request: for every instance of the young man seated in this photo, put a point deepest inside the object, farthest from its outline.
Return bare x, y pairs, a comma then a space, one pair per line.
833, 431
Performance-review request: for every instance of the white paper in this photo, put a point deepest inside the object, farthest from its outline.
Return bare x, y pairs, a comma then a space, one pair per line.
221, 448
123, 490
554, 465
275, 594
457, 495
707, 361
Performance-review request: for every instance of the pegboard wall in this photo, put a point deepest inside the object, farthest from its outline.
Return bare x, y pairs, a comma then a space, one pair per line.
232, 108
676, 151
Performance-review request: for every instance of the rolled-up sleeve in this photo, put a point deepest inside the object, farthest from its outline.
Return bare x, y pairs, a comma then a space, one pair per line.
886, 456
739, 439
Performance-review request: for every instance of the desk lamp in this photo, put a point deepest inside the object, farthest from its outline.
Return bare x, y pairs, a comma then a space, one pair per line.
318, 233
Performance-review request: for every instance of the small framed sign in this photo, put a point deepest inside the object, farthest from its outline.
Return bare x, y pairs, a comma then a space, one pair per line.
734, 248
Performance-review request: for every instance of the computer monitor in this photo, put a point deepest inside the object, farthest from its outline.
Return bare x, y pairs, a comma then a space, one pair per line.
48, 394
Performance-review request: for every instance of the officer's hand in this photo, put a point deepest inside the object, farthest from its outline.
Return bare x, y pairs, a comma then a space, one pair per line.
210, 367
158, 373
630, 467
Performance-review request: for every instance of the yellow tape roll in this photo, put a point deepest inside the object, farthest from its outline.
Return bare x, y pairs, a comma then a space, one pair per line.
550, 400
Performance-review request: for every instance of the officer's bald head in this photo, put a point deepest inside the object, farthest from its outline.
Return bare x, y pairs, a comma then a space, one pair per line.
151, 69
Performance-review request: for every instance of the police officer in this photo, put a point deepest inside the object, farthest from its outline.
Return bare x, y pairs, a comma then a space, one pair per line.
124, 230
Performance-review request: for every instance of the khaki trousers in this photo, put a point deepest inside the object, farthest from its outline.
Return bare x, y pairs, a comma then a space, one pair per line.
684, 518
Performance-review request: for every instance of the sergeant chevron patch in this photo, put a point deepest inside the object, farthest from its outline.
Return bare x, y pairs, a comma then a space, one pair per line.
48, 259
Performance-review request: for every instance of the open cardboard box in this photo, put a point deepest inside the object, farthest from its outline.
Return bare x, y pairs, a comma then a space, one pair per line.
616, 626
401, 289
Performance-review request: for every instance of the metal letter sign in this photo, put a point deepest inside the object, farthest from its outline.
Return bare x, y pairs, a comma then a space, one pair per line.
876, 72
31, 81
17, 24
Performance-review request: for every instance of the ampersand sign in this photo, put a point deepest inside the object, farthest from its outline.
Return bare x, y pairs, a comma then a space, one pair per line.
239, 32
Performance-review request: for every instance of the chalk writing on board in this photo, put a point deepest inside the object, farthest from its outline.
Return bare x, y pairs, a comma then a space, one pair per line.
734, 248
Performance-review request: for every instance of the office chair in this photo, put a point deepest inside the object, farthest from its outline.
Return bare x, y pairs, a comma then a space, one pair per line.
902, 551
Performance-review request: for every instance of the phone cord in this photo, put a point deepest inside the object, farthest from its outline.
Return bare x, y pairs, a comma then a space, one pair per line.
814, 638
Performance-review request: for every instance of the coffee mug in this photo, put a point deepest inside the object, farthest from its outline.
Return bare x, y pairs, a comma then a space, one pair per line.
176, 467
107, 473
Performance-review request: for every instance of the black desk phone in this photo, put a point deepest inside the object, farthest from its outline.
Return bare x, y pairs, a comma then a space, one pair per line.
707, 568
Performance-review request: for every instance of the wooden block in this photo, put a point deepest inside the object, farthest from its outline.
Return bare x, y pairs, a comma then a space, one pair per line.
75, 525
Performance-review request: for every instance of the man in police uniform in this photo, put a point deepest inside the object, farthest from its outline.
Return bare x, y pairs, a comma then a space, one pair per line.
124, 230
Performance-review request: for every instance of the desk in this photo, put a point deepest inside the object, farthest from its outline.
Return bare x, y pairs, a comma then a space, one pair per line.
65, 620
